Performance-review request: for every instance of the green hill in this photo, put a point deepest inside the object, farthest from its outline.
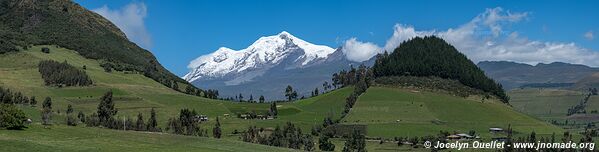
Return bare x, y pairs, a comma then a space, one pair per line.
64, 23
432, 56
396, 112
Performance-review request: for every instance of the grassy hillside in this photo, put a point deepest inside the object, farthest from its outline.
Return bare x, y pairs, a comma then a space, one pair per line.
391, 112
546, 104
63, 138
553, 104
24, 23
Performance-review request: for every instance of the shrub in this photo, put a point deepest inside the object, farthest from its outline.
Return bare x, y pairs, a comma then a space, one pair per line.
11, 117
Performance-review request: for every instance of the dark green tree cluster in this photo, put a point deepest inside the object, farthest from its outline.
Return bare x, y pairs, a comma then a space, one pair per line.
355, 143
186, 124
9, 97
432, 56
11, 117
345, 78
290, 136
290, 93
211, 94
140, 125
56, 73
325, 144
360, 78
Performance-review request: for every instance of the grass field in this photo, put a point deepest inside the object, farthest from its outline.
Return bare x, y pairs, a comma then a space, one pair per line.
551, 105
391, 112
547, 104
63, 138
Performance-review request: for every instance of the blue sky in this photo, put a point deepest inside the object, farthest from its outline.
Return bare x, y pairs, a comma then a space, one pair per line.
180, 32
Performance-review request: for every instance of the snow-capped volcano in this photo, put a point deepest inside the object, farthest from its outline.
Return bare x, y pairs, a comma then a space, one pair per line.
263, 54
267, 66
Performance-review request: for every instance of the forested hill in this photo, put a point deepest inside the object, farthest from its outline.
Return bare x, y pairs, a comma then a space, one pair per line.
64, 23
432, 56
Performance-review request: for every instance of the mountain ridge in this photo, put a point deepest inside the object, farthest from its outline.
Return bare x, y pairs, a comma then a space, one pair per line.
513, 75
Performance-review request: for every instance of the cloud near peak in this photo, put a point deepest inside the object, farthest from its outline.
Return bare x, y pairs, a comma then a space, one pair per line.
130, 19
485, 39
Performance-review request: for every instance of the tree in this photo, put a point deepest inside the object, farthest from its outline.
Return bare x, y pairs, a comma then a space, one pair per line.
251, 98
261, 99
175, 86
216, 131
46, 111
308, 143
355, 143
273, 109
152, 123
69, 109
240, 97
316, 92
290, 93
11, 117
139, 124
189, 89
32, 101
336, 80
106, 109
71, 121
325, 86
324, 144
81, 116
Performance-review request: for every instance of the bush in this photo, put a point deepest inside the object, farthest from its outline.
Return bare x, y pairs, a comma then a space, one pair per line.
11, 117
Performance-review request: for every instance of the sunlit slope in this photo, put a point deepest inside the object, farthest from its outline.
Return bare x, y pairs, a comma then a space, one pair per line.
62, 138
391, 112
133, 92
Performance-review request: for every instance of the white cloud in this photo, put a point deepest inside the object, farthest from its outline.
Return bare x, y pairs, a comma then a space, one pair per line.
402, 33
130, 19
589, 35
358, 51
485, 38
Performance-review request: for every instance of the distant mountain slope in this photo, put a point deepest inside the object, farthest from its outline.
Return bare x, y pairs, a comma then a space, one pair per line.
267, 66
590, 81
67, 24
512, 75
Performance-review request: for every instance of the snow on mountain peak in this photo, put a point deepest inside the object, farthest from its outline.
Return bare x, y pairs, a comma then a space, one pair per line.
268, 50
